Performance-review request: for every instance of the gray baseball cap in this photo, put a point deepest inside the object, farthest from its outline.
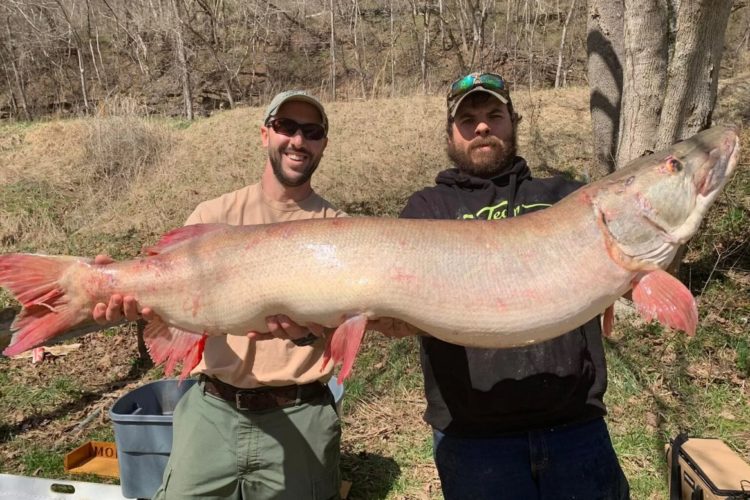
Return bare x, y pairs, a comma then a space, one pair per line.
295, 95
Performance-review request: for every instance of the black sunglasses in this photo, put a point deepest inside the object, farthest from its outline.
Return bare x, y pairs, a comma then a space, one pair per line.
289, 127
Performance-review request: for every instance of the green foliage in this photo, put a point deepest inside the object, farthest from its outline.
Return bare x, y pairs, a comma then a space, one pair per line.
33, 212
44, 461
743, 357
179, 123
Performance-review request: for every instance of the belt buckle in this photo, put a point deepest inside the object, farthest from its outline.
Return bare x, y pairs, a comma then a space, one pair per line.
238, 398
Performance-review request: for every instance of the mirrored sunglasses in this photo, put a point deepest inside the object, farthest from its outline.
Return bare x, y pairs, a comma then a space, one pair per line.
489, 81
289, 127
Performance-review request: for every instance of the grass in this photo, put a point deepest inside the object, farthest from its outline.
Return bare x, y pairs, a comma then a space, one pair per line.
82, 187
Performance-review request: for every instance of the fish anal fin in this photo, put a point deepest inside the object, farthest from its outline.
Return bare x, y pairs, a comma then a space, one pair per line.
343, 345
659, 295
169, 345
179, 235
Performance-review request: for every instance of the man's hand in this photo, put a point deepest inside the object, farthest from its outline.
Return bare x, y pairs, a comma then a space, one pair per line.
119, 306
392, 327
281, 326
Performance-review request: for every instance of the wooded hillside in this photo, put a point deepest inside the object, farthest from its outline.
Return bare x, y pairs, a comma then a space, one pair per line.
185, 57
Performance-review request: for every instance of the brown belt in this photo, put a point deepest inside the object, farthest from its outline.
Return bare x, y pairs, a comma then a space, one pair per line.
266, 397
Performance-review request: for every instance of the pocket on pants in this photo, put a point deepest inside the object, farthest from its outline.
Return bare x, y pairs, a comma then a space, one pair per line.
161, 493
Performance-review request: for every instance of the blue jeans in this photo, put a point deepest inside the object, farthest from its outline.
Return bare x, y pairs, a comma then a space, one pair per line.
575, 461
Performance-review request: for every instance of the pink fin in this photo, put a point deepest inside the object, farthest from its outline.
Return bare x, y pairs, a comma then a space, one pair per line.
170, 345
608, 320
177, 236
33, 280
344, 344
659, 295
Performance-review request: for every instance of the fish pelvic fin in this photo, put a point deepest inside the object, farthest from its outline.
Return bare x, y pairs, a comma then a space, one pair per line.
659, 295
48, 311
343, 345
170, 345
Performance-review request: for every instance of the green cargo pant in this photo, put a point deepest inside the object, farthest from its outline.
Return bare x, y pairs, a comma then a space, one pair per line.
219, 452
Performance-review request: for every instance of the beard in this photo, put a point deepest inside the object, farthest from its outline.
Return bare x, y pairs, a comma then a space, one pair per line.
484, 164
275, 157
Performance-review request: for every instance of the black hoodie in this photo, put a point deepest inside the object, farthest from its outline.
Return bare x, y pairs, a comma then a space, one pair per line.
491, 392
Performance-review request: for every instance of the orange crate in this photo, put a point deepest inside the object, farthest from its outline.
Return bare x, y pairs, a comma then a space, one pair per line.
94, 457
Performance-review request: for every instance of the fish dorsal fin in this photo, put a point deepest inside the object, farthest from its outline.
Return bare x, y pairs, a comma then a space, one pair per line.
659, 295
180, 235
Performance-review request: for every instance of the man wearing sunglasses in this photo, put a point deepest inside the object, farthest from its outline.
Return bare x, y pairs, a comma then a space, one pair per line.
260, 423
524, 423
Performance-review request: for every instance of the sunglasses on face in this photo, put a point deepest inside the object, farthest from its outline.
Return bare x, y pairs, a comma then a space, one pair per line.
489, 81
289, 127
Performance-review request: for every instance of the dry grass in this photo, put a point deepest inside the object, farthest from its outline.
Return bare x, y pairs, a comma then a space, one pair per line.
131, 174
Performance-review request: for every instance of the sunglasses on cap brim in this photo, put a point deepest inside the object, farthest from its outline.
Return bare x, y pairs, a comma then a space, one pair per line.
489, 81
289, 127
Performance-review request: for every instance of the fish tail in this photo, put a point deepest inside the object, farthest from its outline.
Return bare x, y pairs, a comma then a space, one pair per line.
34, 280
169, 345
344, 344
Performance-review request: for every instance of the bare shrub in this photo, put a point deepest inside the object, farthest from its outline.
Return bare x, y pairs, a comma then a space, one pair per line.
120, 105
118, 149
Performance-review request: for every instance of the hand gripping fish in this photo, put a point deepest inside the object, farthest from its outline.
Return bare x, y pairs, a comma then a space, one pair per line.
491, 284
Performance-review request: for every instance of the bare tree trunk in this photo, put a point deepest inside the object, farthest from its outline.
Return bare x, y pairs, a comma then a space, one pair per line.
79, 53
646, 50
11, 94
359, 50
393, 51
562, 43
462, 27
694, 69
425, 44
82, 74
187, 93
16, 74
442, 23
604, 48
333, 53
508, 15
530, 27
672, 59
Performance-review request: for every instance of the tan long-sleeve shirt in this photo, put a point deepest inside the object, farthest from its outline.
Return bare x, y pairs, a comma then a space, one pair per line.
249, 363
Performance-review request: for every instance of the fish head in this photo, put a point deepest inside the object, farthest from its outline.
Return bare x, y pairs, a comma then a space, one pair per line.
657, 202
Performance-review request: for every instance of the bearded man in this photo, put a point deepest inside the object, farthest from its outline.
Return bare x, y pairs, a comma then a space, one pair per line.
514, 423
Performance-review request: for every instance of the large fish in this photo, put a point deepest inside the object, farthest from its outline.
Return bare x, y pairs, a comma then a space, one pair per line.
487, 284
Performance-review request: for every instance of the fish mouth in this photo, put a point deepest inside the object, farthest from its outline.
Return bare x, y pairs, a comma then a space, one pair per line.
719, 165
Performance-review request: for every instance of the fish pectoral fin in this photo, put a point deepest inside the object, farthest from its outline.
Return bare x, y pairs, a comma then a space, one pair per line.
179, 235
342, 346
170, 345
659, 295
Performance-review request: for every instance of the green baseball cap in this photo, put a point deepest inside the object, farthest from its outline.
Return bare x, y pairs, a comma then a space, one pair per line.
295, 95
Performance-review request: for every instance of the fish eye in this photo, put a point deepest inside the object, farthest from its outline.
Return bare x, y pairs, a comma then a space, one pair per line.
671, 165
674, 165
